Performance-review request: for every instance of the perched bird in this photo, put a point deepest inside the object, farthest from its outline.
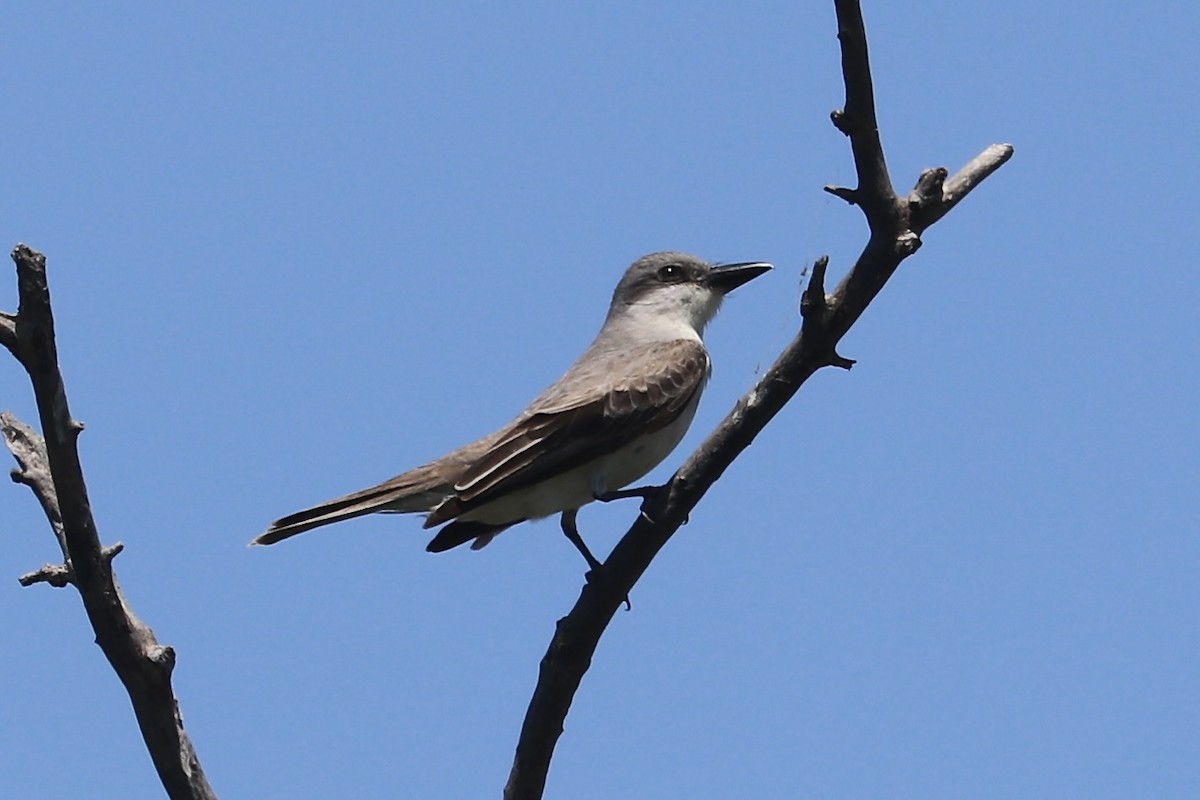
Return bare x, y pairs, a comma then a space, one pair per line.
616, 413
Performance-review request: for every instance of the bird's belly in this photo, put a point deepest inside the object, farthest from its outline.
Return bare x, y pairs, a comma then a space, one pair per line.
579, 486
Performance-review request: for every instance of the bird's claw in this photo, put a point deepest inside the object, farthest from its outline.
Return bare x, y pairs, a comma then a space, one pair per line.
595, 576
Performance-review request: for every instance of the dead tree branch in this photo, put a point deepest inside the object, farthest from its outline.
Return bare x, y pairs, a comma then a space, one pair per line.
50, 467
896, 225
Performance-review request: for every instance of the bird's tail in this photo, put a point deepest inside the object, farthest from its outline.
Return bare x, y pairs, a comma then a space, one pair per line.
415, 491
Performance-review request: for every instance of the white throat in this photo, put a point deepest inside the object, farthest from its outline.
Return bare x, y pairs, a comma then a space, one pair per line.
679, 311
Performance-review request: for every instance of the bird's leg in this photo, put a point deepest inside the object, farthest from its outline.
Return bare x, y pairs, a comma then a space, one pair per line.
644, 492
647, 493
572, 533
571, 530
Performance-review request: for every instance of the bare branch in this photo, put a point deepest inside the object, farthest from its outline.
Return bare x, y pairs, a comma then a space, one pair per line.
895, 225
53, 574
29, 450
844, 193
8, 332
50, 467
814, 308
956, 187
857, 119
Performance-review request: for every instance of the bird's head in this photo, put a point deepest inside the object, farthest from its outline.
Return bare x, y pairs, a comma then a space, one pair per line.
676, 289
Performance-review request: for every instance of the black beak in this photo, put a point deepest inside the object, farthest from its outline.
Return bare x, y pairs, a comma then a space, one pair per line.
727, 277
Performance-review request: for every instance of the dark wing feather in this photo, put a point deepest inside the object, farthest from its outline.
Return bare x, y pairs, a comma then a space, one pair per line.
461, 532
563, 430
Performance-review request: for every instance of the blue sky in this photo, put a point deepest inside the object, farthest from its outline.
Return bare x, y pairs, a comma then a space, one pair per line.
295, 251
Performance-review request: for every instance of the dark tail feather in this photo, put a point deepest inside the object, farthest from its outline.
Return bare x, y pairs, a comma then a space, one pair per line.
390, 496
463, 531
310, 518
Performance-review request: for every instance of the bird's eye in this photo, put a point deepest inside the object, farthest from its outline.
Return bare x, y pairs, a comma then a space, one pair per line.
671, 272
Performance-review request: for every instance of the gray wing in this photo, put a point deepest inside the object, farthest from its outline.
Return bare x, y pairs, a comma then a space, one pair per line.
565, 428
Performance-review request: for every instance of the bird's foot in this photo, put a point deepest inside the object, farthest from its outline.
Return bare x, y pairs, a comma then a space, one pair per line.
649, 494
644, 492
595, 572
596, 578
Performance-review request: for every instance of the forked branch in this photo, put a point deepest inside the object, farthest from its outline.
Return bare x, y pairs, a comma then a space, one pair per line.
50, 467
896, 225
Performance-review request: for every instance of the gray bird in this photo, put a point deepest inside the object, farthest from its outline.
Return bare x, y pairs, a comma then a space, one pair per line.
617, 412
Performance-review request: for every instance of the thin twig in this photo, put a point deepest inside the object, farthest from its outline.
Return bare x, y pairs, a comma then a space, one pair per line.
8, 332
33, 470
957, 186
